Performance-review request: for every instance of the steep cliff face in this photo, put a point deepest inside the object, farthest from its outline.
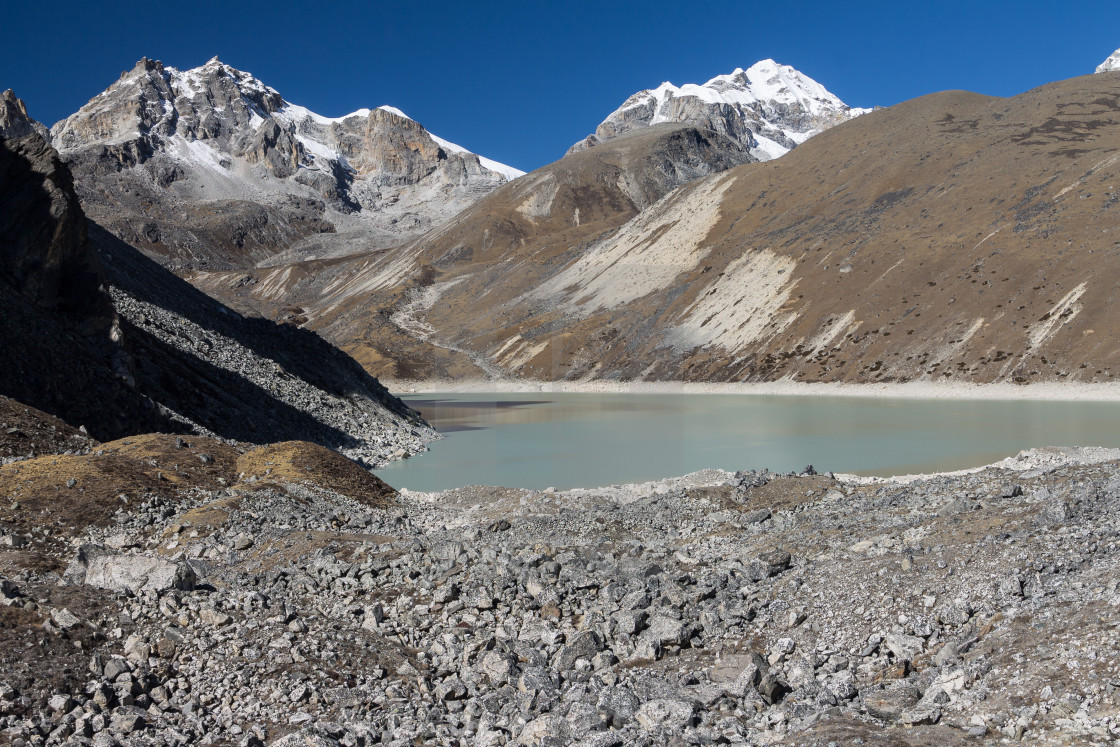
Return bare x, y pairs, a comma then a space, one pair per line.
60, 341
768, 108
209, 167
43, 250
14, 120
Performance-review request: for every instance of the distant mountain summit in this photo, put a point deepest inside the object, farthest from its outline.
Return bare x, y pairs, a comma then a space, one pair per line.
14, 120
210, 166
769, 108
1111, 64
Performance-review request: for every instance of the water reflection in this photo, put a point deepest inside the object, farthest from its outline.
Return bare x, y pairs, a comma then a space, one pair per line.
449, 415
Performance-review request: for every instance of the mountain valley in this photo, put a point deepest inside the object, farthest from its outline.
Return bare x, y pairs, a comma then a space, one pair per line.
204, 290
953, 237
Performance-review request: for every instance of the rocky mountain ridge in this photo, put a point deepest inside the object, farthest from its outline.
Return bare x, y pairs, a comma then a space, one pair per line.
15, 122
61, 337
43, 251
210, 166
100, 335
768, 108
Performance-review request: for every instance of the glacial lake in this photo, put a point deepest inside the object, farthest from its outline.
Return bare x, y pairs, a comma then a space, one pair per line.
565, 440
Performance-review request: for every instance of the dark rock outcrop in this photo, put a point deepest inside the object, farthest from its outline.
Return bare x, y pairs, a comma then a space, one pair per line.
43, 249
14, 120
60, 341
172, 359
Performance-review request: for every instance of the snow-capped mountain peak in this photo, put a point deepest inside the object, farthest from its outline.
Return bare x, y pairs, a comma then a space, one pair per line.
213, 102
215, 134
393, 110
1111, 64
189, 78
767, 107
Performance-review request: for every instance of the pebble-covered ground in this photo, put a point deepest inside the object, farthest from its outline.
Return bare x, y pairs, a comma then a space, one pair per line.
235, 596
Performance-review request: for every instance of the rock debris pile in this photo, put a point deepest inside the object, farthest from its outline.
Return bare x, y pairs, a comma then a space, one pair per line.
359, 423
717, 608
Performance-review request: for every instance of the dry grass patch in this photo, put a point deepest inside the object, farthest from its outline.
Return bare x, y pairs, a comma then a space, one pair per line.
300, 461
71, 492
202, 462
42, 490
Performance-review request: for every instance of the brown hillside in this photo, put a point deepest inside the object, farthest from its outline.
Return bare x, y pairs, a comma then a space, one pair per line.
954, 236
531, 227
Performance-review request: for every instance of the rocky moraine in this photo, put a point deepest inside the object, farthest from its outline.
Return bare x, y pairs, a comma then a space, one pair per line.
225, 594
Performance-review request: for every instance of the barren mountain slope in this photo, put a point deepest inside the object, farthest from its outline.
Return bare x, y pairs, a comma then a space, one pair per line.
373, 305
954, 236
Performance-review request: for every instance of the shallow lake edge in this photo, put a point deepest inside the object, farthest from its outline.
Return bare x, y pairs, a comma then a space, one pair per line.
1042, 391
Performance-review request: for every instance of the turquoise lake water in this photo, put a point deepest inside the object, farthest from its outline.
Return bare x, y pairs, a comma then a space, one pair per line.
563, 440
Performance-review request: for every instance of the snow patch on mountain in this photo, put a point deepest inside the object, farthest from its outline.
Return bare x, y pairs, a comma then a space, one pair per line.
394, 110
768, 107
1111, 64
294, 114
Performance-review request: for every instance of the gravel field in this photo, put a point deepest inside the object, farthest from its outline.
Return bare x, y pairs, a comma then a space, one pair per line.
239, 596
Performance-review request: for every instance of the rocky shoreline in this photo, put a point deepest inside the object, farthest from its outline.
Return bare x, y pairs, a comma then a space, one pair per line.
273, 597
1071, 391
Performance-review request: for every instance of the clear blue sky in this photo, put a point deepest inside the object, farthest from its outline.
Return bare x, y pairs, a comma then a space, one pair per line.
520, 81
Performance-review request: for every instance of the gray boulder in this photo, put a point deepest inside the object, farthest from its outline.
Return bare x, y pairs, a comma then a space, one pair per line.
582, 646
94, 565
665, 713
904, 647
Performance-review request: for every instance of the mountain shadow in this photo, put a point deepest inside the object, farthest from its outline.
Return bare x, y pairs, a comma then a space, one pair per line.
99, 335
